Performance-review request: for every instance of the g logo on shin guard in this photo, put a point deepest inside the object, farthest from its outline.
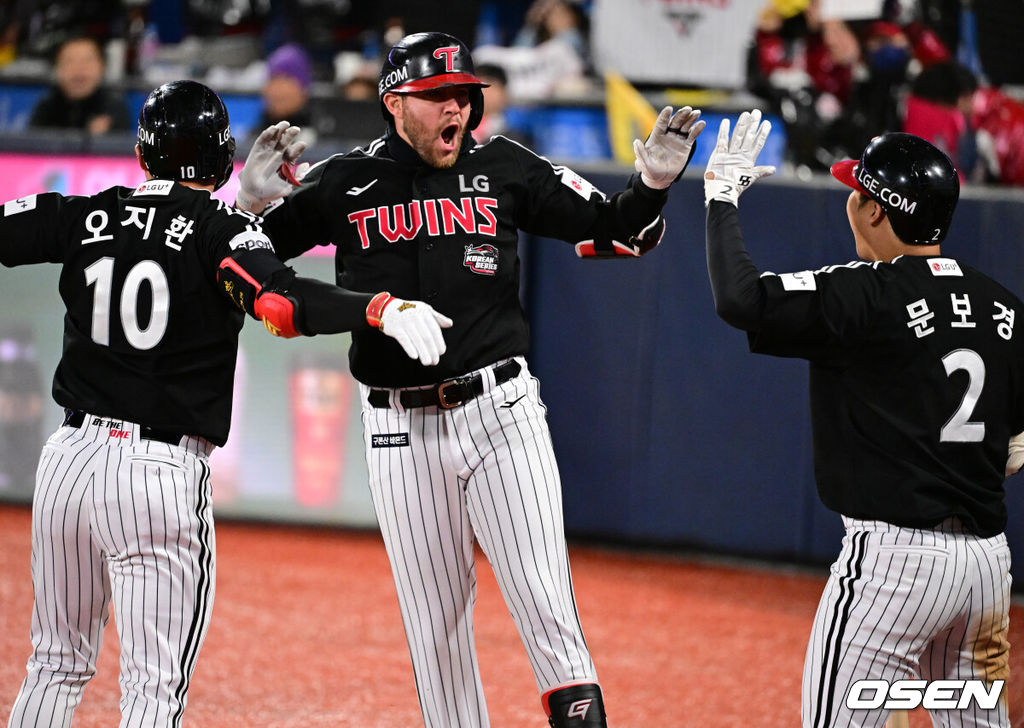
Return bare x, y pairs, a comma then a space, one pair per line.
579, 708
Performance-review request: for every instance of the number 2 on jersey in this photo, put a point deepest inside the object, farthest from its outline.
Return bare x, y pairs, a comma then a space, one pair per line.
101, 274
958, 428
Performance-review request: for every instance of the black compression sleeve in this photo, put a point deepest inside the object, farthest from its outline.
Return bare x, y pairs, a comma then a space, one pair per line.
328, 309
735, 281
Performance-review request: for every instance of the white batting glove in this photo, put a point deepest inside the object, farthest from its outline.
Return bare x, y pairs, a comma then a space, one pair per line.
261, 180
732, 165
417, 327
1015, 458
663, 157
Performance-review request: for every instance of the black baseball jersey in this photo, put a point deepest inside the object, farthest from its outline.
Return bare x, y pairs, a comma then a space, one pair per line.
148, 335
447, 237
916, 376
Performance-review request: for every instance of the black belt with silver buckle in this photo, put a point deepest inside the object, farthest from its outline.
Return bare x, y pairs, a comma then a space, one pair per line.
75, 418
449, 393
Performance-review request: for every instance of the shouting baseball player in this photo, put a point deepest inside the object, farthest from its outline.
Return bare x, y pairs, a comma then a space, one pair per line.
917, 384
156, 281
460, 453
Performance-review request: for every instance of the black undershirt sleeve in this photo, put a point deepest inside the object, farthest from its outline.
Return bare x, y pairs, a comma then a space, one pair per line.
320, 307
328, 309
735, 280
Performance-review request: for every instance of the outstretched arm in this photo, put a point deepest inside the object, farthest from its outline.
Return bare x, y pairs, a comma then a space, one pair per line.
558, 203
267, 174
290, 305
735, 280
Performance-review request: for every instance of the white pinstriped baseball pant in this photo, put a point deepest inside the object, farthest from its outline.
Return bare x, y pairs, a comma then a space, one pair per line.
482, 472
123, 520
904, 603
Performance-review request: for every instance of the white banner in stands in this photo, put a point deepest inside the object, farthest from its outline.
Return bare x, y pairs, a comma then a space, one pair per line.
675, 42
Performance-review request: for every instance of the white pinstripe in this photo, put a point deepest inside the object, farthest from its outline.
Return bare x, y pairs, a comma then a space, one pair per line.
905, 603
487, 473
125, 521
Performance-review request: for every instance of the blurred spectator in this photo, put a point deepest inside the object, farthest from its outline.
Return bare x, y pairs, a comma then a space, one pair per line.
78, 99
549, 56
496, 103
879, 77
356, 76
285, 93
804, 74
549, 19
999, 120
839, 82
37, 29
939, 109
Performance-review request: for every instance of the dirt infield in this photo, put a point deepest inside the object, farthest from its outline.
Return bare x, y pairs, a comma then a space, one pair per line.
306, 633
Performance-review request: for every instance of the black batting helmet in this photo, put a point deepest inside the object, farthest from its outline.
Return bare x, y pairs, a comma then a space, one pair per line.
913, 181
424, 61
184, 134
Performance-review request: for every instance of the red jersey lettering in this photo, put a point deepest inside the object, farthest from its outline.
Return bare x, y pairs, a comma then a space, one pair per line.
359, 218
463, 215
484, 206
433, 229
400, 231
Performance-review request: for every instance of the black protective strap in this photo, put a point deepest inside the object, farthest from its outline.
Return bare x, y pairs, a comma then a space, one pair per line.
449, 393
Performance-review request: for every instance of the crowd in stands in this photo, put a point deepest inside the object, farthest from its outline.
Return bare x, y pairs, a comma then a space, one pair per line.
837, 72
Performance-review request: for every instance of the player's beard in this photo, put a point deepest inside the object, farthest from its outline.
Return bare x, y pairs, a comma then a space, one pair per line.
423, 139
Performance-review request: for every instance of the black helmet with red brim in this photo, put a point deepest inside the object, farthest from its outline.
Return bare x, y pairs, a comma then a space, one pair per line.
846, 172
913, 180
426, 61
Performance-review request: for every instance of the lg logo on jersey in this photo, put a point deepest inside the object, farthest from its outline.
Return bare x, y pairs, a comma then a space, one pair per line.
937, 695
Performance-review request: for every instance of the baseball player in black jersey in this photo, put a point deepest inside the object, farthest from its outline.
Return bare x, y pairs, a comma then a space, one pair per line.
459, 453
917, 385
156, 281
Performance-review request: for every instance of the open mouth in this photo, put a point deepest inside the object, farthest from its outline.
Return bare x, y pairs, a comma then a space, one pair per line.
448, 135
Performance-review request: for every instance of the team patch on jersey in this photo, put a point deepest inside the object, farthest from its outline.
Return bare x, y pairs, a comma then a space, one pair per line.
482, 259
154, 187
251, 241
944, 267
22, 204
799, 281
395, 439
575, 183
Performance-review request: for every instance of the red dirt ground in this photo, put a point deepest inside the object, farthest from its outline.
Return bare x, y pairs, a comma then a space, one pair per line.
306, 633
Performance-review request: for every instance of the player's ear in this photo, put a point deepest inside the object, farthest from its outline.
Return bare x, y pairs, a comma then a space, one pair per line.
393, 103
878, 215
142, 163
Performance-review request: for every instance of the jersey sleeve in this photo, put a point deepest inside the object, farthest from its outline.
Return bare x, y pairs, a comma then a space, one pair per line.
557, 202
808, 314
226, 231
813, 314
297, 223
32, 228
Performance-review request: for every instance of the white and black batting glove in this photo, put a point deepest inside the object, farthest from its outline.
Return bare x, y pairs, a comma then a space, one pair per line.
663, 157
1015, 454
732, 167
413, 324
267, 174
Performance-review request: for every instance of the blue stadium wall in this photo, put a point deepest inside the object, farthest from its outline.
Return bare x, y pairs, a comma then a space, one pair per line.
667, 429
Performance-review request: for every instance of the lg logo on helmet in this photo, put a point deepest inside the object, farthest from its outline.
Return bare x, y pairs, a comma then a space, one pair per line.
448, 53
